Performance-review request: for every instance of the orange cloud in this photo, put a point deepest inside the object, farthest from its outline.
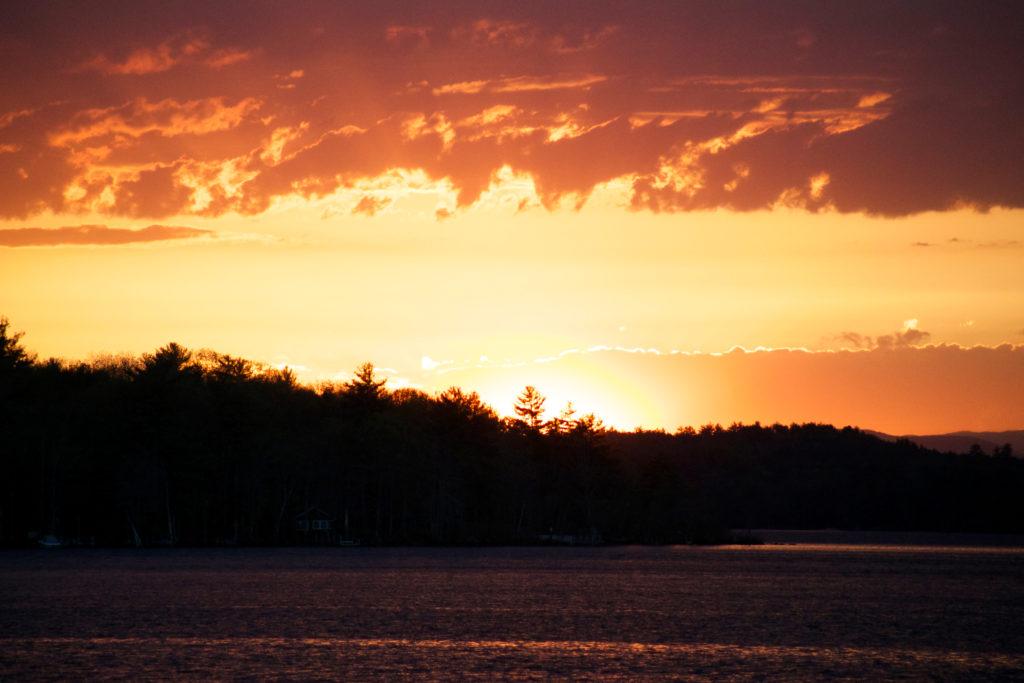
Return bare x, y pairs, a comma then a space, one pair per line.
491, 33
178, 49
95, 235
167, 117
369, 205
407, 37
507, 34
153, 192
520, 84
150, 60
142, 158
8, 118
909, 336
222, 58
582, 41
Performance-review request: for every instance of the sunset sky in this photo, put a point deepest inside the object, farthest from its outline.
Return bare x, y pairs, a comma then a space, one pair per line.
669, 213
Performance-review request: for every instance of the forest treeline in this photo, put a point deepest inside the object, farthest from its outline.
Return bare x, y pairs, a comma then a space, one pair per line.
196, 448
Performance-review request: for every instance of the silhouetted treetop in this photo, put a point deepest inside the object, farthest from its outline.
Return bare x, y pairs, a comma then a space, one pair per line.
12, 354
565, 421
467, 405
529, 406
365, 384
169, 363
224, 368
589, 424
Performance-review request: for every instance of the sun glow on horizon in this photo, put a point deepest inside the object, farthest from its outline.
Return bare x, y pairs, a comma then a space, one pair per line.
590, 386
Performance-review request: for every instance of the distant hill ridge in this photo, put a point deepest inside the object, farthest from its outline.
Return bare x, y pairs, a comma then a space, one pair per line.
961, 442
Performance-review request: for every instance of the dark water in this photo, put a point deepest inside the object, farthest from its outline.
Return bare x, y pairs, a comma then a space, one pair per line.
792, 612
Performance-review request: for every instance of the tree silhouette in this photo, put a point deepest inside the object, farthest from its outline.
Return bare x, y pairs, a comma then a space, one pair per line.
202, 448
225, 368
589, 426
565, 422
467, 405
365, 386
529, 407
169, 363
12, 354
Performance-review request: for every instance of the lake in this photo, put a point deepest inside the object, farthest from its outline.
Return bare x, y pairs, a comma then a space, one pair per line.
799, 611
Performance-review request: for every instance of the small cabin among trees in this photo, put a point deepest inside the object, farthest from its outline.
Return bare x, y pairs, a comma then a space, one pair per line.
314, 526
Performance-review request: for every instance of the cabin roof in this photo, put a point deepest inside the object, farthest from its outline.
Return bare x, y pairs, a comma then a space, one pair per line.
313, 513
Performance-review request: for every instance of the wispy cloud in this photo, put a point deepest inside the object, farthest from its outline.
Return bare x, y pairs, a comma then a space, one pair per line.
519, 35
582, 40
181, 48
520, 84
908, 336
495, 33
99, 235
369, 205
148, 60
408, 37
9, 117
168, 117
961, 244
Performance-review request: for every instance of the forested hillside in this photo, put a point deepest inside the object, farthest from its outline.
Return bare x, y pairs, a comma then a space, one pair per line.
181, 447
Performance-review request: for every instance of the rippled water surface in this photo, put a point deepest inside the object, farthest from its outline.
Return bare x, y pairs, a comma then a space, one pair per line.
797, 612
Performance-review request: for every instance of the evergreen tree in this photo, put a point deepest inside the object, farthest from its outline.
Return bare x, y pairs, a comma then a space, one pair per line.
365, 387
529, 407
